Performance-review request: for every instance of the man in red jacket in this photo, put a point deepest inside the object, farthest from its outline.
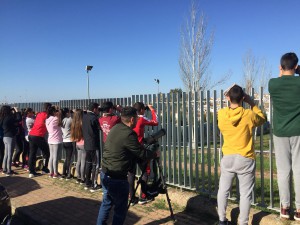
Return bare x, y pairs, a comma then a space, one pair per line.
37, 140
140, 130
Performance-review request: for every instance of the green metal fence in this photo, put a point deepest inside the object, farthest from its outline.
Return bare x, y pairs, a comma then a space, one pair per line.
191, 149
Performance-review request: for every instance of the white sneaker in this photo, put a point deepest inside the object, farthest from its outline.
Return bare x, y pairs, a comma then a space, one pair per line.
31, 175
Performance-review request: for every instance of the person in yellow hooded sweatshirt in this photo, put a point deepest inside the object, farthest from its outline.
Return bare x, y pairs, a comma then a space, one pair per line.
236, 124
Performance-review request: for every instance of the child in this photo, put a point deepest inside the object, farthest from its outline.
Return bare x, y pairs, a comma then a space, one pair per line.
236, 124
140, 130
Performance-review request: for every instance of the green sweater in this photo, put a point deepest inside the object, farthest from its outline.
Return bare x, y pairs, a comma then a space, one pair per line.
121, 150
285, 95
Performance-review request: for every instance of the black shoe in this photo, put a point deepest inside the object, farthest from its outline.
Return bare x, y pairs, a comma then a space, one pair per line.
143, 201
134, 201
34, 174
226, 222
87, 186
69, 177
45, 170
96, 188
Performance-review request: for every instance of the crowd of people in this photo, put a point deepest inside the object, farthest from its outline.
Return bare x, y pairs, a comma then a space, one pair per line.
55, 129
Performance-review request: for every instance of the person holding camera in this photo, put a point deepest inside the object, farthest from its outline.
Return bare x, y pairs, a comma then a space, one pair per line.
285, 92
121, 150
236, 124
140, 131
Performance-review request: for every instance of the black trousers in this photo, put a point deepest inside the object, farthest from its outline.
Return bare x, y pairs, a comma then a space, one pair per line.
90, 166
20, 139
36, 142
69, 148
25, 152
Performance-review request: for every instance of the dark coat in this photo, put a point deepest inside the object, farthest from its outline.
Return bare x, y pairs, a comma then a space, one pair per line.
121, 150
90, 131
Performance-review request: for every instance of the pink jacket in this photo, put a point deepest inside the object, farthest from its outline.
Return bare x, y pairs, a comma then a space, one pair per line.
54, 131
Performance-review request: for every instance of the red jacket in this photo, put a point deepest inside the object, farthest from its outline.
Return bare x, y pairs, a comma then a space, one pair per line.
144, 121
107, 121
39, 127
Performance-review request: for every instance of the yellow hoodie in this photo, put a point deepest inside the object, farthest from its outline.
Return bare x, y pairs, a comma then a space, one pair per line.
236, 127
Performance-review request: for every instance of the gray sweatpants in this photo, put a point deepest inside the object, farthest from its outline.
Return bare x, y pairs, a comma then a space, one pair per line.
287, 154
55, 150
9, 143
80, 165
244, 168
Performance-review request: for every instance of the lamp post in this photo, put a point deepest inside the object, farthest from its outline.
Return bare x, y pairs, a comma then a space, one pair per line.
157, 81
88, 69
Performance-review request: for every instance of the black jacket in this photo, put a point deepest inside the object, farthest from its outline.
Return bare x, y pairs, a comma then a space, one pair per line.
121, 150
90, 131
10, 124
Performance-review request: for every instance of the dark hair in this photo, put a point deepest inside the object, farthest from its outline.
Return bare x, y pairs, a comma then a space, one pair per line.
28, 110
51, 111
236, 94
128, 112
5, 111
289, 61
106, 106
93, 105
46, 106
64, 112
139, 106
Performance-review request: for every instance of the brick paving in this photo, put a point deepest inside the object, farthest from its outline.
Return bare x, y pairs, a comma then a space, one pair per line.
47, 201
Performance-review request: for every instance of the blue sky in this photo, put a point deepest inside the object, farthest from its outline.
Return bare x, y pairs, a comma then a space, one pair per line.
45, 45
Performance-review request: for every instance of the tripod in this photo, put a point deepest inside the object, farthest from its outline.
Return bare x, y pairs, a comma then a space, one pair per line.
163, 183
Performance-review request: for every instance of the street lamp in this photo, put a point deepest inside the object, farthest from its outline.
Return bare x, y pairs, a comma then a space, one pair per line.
157, 81
88, 69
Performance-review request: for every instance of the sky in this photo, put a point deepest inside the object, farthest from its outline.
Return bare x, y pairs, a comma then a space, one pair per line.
45, 45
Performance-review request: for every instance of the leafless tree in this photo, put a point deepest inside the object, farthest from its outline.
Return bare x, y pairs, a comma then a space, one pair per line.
195, 52
252, 68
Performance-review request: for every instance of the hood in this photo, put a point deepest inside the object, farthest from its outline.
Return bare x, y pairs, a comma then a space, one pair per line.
234, 115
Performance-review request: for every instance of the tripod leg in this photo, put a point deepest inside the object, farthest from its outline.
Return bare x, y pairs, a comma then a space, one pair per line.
138, 183
165, 188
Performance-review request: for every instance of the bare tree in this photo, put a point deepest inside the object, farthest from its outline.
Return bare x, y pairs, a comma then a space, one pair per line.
265, 74
252, 68
195, 52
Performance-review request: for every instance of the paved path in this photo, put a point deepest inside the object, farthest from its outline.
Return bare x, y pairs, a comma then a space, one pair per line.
46, 201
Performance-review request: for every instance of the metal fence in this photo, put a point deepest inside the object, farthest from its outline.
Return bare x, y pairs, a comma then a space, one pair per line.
190, 151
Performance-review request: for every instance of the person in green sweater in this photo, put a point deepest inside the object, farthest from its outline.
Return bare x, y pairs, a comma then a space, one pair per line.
285, 95
236, 124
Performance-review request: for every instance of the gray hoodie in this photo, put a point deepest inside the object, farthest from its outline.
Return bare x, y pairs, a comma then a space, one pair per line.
66, 129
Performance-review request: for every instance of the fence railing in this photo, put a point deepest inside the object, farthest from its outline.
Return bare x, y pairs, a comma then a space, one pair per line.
191, 149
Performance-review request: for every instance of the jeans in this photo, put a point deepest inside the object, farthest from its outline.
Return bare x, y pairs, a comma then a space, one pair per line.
115, 192
80, 165
69, 148
9, 143
53, 159
90, 166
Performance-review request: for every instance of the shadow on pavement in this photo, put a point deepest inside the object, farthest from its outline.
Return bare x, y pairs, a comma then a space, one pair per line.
199, 210
18, 186
64, 211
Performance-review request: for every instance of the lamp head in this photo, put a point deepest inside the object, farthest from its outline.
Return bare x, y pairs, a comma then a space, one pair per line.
88, 68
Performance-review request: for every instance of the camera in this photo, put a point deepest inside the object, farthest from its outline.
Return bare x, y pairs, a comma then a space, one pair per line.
153, 138
297, 71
